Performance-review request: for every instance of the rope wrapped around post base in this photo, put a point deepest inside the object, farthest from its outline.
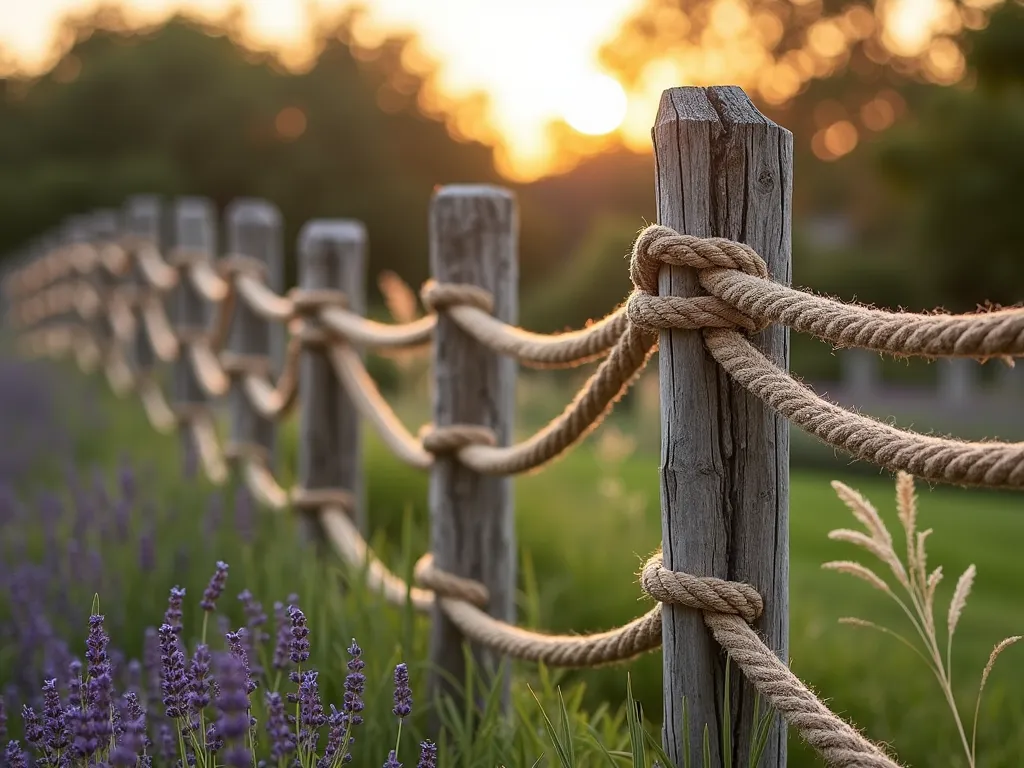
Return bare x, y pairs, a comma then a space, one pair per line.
727, 608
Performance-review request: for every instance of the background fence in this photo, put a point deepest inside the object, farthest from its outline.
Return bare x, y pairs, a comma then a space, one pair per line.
121, 296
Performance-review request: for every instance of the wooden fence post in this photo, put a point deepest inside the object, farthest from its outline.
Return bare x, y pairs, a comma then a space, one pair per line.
104, 226
142, 223
195, 232
332, 255
725, 170
473, 240
254, 230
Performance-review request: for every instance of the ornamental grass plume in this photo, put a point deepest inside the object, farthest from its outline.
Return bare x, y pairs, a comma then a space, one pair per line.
913, 579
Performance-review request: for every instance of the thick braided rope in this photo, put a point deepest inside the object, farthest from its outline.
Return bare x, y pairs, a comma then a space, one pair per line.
612, 378
980, 335
743, 296
728, 608
992, 464
470, 307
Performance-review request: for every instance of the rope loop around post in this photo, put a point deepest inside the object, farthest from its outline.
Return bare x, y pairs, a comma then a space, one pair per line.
452, 439
445, 584
315, 499
659, 246
236, 364
703, 593
308, 302
240, 264
437, 297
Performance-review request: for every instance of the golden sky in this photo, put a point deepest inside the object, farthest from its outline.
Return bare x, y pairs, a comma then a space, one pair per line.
537, 59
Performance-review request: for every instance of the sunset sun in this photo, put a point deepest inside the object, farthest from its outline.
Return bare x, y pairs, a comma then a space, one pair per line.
597, 105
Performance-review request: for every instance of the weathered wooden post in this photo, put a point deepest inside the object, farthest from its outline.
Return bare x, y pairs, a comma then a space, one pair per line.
332, 256
195, 237
473, 240
725, 170
142, 225
254, 231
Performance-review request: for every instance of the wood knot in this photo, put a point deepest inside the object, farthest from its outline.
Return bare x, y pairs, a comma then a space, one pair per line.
437, 297
452, 439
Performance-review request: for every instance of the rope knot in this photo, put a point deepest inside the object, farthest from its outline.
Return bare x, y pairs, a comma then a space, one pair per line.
452, 439
315, 499
445, 584
307, 302
658, 246
240, 264
437, 297
703, 593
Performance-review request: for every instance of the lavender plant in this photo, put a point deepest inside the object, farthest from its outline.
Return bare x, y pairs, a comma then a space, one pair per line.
202, 709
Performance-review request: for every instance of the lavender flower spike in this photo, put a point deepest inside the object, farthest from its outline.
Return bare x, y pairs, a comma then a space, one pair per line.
392, 761
236, 645
14, 756
57, 737
403, 693
282, 741
215, 588
172, 617
132, 738
173, 680
233, 703
96, 648
300, 635
355, 682
428, 755
284, 636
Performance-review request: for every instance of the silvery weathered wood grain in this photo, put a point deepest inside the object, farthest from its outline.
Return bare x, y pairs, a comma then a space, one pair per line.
723, 169
142, 221
254, 229
473, 239
332, 254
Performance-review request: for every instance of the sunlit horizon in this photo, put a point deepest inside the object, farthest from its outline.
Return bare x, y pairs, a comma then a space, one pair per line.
537, 61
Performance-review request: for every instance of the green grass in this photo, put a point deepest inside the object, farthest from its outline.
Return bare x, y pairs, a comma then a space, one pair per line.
584, 527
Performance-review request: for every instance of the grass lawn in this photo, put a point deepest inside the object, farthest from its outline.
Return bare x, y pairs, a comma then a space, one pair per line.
588, 521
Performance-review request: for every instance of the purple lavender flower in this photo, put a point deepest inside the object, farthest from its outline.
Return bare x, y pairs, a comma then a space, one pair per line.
132, 732
172, 617
95, 728
166, 749
233, 704
75, 684
428, 755
96, 648
236, 645
14, 756
337, 725
392, 761
311, 711
403, 693
215, 587
299, 647
173, 680
199, 680
282, 741
255, 618
57, 738
284, 636
34, 732
355, 682
214, 741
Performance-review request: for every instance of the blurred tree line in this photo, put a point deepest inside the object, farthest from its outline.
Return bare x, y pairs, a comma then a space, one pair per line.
927, 207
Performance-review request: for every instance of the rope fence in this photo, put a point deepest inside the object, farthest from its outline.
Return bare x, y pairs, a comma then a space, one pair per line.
125, 303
